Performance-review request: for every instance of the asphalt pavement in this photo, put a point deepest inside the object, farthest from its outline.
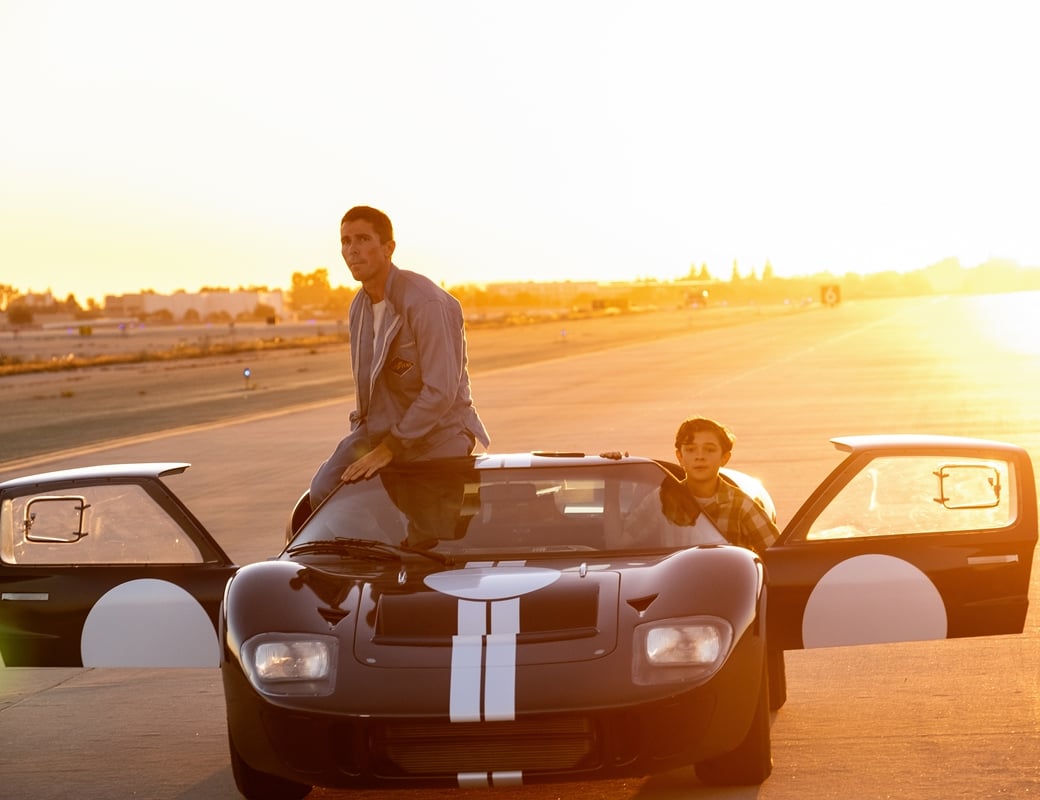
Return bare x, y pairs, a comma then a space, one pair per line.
942, 720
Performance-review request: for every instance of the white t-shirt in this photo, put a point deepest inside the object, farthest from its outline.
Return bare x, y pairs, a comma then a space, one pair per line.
378, 315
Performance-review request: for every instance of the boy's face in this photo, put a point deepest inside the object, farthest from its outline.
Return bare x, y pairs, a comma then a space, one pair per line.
703, 457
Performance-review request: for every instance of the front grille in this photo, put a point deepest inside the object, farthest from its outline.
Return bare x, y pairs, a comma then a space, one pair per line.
420, 748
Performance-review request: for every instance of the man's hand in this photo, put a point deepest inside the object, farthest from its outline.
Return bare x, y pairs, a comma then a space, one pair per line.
369, 464
617, 455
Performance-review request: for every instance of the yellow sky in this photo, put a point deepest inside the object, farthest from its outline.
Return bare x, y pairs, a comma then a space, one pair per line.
176, 145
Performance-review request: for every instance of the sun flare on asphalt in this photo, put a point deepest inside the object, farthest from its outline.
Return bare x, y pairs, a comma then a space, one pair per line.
1011, 322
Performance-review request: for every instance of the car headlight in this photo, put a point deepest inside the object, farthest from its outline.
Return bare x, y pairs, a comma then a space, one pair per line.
680, 650
284, 664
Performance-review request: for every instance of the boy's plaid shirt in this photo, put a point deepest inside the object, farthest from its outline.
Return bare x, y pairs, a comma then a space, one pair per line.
740, 519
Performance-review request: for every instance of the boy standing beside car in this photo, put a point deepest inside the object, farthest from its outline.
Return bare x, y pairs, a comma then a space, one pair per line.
702, 447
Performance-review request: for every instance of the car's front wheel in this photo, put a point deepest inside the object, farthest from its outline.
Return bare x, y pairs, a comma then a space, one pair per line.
255, 785
752, 760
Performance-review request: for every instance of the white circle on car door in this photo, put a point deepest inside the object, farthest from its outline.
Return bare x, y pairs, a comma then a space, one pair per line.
871, 599
148, 623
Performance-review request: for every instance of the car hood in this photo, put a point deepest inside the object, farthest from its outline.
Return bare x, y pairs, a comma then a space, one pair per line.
417, 614
555, 612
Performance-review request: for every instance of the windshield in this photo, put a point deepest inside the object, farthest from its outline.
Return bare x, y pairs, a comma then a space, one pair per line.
454, 507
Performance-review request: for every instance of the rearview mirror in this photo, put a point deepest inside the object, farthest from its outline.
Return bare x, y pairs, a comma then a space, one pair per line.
968, 486
56, 520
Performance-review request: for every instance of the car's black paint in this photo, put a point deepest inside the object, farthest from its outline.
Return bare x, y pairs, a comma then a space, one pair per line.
580, 711
906, 528
578, 714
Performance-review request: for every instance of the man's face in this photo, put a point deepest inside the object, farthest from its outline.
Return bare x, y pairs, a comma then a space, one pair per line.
703, 457
367, 257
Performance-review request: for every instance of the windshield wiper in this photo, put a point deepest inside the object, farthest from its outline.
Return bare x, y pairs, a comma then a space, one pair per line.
343, 545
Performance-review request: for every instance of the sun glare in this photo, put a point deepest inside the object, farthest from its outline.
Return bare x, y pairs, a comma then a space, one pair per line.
1011, 321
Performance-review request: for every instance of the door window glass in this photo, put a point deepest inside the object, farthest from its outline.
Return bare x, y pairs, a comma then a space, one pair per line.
906, 495
105, 524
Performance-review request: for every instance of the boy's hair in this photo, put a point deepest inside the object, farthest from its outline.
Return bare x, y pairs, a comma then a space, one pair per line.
379, 221
704, 425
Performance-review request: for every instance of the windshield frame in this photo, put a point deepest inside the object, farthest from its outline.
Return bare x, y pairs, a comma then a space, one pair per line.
465, 509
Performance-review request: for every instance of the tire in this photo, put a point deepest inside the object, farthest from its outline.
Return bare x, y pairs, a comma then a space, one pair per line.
752, 760
255, 785
777, 670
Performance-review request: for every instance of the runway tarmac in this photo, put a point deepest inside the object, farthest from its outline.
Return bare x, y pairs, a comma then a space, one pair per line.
60, 410
956, 719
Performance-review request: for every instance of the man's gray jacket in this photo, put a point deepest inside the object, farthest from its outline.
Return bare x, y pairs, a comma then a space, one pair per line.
419, 398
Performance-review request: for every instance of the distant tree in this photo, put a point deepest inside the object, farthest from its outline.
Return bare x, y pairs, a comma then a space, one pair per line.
214, 290
463, 292
218, 317
697, 273
86, 313
339, 300
161, 317
767, 271
734, 276
7, 294
310, 291
191, 315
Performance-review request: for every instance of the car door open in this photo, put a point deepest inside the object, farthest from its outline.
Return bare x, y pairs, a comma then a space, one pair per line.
104, 566
909, 538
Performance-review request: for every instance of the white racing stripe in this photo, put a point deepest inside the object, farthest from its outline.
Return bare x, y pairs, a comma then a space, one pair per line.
489, 780
467, 653
483, 660
500, 661
517, 460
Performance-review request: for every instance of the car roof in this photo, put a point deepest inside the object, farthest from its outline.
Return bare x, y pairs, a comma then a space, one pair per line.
544, 458
911, 441
156, 469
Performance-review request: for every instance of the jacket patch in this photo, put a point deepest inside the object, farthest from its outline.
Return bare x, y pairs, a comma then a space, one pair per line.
400, 366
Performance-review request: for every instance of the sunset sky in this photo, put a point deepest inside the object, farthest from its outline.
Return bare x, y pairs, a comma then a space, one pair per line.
176, 145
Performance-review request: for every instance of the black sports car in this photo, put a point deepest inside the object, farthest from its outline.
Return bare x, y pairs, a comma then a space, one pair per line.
512, 619
104, 566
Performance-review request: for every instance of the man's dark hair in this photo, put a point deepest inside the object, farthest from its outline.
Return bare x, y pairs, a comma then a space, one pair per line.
704, 425
380, 222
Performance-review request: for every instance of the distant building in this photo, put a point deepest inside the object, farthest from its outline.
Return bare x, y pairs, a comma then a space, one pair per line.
202, 303
37, 300
551, 292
